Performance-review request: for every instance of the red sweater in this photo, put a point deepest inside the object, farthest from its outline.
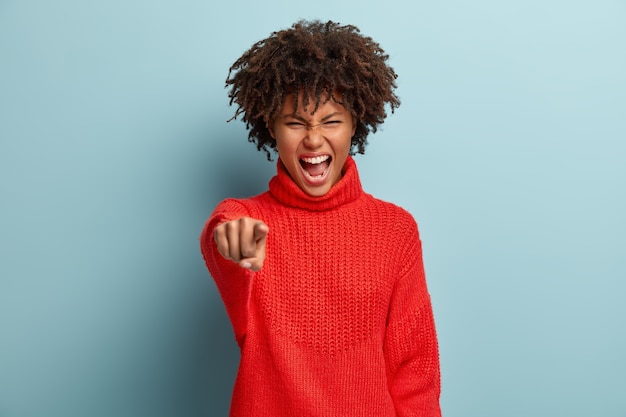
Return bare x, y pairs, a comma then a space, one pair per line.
338, 322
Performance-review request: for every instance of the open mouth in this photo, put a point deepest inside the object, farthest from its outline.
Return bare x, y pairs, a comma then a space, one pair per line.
316, 168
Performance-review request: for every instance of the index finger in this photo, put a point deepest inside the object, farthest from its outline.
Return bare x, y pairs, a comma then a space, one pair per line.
260, 231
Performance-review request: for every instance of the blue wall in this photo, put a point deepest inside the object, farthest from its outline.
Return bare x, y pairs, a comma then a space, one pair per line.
509, 149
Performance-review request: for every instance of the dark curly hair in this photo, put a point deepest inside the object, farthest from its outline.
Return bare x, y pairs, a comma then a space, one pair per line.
315, 59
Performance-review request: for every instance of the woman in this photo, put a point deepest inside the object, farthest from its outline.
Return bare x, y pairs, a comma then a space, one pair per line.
323, 283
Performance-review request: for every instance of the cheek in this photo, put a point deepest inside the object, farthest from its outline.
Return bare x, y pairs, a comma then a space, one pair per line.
277, 145
283, 148
347, 140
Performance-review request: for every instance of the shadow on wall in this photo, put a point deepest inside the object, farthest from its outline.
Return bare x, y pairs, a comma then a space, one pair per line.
228, 167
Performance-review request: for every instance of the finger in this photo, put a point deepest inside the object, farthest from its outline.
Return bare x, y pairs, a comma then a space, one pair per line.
232, 234
260, 232
247, 242
254, 264
221, 240
259, 236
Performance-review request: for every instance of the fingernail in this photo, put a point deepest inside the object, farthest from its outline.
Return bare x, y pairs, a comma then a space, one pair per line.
247, 265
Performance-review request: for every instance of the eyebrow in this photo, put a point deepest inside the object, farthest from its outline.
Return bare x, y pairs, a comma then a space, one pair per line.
323, 119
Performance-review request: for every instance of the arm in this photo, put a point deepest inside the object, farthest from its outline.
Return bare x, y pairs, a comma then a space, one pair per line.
233, 245
411, 348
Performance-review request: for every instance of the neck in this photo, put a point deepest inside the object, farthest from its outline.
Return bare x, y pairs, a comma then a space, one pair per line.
347, 189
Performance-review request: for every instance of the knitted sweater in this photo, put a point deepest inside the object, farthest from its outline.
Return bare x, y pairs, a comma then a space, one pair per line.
338, 322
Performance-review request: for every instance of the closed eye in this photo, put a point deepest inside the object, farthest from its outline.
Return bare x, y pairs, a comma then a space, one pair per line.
329, 124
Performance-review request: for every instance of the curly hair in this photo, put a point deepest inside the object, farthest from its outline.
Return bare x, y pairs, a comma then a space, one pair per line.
314, 59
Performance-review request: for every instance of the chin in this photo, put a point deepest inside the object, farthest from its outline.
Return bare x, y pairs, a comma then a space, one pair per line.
318, 192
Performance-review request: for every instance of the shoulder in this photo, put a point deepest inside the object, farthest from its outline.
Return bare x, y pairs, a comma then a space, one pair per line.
397, 234
258, 207
241, 206
230, 209
391, 213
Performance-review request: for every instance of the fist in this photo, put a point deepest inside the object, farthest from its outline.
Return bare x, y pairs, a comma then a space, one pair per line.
242, 241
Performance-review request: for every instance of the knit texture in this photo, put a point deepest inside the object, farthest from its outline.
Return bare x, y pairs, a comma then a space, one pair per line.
338, 322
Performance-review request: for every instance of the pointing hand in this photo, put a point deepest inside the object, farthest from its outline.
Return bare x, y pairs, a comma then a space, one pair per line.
242, 241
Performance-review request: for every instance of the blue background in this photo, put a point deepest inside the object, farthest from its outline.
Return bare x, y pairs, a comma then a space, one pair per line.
509, 150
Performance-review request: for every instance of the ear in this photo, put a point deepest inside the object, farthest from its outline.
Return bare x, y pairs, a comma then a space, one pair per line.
270, 128
354, 122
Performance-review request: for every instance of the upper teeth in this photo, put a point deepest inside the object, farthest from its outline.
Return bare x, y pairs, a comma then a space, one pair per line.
316, 160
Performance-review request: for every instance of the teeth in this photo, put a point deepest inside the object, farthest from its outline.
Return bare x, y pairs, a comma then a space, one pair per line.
316, 160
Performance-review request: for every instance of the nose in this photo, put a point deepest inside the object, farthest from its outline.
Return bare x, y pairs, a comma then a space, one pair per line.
314, 137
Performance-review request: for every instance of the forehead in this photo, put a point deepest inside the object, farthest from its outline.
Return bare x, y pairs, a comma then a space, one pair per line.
306, 105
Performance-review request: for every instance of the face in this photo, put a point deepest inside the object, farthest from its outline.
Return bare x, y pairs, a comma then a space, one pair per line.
313, 147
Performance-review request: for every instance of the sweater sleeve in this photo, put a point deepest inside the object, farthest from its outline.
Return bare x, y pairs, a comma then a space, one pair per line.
233, 282
411, 347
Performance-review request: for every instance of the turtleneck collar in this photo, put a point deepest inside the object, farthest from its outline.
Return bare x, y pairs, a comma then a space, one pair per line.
285, 190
